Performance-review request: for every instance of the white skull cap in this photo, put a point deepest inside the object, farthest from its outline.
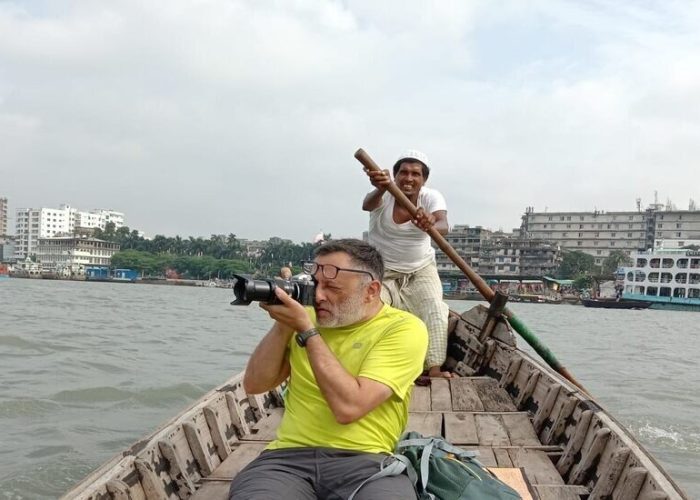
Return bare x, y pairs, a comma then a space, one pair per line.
413, 154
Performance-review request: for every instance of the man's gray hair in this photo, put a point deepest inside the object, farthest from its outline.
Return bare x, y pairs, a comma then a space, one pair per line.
361, 253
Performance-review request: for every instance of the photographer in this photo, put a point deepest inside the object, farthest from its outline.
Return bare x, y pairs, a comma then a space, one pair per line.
351, 361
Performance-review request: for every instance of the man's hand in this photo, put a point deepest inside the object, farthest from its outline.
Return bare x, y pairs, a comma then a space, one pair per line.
290, 313
423, 220
380, 179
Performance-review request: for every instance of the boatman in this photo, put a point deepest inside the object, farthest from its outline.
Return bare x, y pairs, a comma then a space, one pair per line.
351, 362
411, 280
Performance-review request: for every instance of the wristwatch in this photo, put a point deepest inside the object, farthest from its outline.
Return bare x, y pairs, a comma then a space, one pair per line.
303, 337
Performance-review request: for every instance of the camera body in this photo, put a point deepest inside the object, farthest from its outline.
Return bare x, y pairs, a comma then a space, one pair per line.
246, 289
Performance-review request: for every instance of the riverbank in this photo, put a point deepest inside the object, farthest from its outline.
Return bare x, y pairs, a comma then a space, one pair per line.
215, 283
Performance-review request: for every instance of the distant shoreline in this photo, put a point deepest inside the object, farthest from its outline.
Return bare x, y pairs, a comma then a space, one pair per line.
140, 281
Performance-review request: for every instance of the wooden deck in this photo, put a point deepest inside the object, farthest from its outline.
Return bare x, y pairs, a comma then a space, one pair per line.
473, 413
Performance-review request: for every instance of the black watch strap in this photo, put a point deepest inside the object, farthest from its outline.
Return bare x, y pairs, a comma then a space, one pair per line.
303, 337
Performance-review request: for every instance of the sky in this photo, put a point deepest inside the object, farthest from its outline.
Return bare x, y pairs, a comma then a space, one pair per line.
223, 116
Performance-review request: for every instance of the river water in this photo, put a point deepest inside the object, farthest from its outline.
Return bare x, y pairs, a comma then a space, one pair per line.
88, 368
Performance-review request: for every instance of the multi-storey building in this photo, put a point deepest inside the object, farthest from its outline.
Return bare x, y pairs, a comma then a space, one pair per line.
495, 253
596, 233
599, 233
467, 242
7, 248
34, 223
69, 255
105, 216
3, 216
675, 229
519, 256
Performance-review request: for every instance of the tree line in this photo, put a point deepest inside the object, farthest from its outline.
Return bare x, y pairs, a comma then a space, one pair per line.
220, 256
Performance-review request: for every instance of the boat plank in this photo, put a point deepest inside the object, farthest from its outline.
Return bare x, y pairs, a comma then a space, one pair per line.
491, 430
502, 457
538, 466
440, 399
484, 455
460, 428
241, 456
520, 430
265, 429
212, 490
516, 479
426, 423
556, 492
464, 395
420, 398
493, 397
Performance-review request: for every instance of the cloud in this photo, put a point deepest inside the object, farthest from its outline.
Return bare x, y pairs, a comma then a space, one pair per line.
242, 117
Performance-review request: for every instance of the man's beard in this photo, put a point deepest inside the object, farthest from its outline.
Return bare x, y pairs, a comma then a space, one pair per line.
349, 312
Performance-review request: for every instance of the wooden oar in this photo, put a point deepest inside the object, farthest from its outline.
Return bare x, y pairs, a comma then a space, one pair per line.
478, 282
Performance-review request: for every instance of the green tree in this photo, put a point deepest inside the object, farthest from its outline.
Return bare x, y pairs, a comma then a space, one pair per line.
575, 263
617, 258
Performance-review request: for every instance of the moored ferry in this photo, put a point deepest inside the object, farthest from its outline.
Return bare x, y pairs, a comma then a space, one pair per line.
669, 279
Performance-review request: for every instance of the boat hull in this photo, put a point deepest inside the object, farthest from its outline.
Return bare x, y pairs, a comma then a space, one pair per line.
616, 304
518, 413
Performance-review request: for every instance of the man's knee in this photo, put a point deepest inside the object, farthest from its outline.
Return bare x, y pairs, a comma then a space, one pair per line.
388, 488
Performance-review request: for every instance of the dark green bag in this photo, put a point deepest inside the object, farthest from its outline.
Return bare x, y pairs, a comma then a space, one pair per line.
441, 471
445, 472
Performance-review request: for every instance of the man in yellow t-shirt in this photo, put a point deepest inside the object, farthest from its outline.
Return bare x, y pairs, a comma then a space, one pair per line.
351, 363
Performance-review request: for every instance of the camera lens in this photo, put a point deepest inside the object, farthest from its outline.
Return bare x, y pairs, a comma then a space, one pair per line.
246, 290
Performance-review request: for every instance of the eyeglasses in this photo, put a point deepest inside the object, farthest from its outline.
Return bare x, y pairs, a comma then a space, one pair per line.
329, 271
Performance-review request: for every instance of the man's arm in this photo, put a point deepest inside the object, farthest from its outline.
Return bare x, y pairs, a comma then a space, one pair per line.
380, 180
437, 219
349, 398
441, 222
268, 366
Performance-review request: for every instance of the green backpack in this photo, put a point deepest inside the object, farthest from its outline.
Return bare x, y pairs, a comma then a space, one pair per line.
441, 471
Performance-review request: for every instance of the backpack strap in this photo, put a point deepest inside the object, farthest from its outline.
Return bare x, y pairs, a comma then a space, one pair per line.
394, 468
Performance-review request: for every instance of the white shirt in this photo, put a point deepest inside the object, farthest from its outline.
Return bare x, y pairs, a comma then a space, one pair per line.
404, 247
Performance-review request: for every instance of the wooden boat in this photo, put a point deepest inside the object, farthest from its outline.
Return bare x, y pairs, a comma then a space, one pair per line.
520, 415
614, 303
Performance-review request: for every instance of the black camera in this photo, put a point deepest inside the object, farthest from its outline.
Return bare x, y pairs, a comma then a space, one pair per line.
246, 290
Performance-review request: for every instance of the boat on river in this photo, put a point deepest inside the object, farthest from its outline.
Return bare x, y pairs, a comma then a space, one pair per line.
615, 303
528, 424
668, 279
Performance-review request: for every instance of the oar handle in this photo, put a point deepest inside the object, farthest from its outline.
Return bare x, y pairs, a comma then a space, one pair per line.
476, 280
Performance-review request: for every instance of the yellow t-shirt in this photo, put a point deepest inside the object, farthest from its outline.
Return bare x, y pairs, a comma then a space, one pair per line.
389, 348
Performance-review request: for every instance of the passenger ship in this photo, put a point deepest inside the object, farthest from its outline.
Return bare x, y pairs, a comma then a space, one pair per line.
669, 279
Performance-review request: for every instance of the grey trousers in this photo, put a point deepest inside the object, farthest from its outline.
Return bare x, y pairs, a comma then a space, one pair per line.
317, 473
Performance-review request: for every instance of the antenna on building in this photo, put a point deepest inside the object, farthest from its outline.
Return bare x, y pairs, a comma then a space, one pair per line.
691, 205
656, 197
639, 204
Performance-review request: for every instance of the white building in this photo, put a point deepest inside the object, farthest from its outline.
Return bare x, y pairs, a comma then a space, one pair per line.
106, 216
3, 216
599, 233
596, 233
675, 229
69, 255
34, 223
